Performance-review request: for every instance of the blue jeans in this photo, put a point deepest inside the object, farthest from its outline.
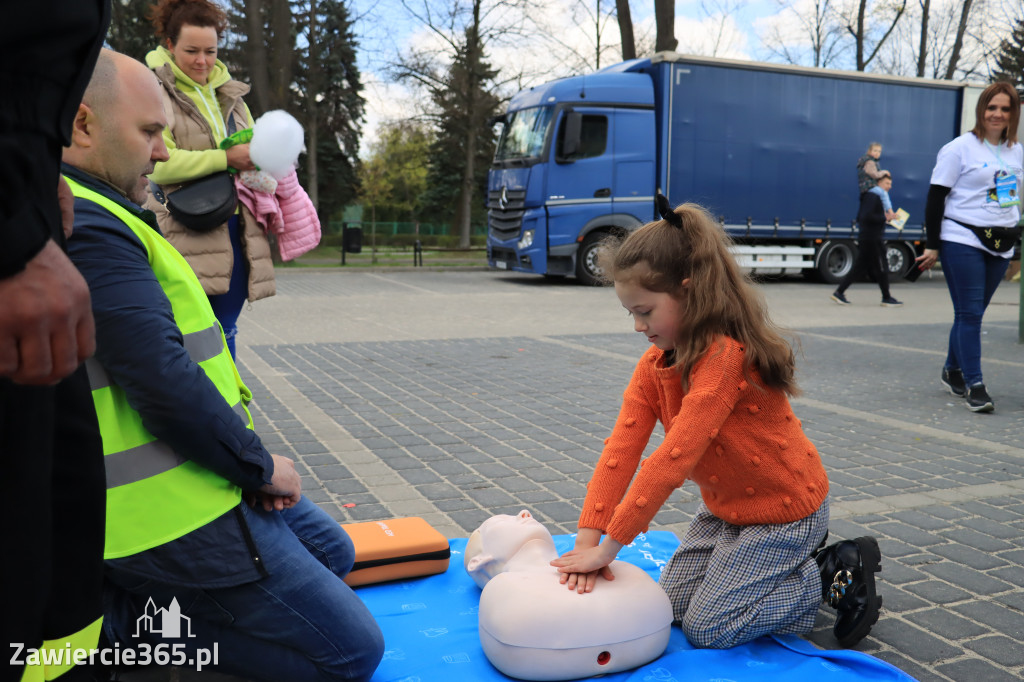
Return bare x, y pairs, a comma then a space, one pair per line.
972, 276
301, 623
228, 306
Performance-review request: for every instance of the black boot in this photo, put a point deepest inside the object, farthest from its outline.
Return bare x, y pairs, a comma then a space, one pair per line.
848, 585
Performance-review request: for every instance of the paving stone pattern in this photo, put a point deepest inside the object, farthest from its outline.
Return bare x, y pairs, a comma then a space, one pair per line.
457, 430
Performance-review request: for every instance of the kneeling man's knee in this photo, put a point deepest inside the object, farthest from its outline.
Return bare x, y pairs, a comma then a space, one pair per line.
363, 651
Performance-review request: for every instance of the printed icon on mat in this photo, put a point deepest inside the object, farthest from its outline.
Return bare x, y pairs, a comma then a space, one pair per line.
460, 657
167, 622
435, 632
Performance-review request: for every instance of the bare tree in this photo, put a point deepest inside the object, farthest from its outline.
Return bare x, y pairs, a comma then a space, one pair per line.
820, 27
958, 43
587, 49
625, 20
717, 17
314, 80
451, 66
665, 20
861, 28
259, 72
922, 52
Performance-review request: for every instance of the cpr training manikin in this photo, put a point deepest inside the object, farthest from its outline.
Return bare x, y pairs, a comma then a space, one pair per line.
532, 627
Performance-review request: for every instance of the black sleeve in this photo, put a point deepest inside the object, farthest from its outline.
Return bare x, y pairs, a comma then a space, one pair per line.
934, 209
57, 42
29, 213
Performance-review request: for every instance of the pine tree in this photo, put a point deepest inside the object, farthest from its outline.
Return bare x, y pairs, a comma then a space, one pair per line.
300, 56
1010, 60
131, 32
464, 147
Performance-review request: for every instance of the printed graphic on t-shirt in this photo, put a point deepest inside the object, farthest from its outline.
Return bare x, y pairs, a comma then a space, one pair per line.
1002, 194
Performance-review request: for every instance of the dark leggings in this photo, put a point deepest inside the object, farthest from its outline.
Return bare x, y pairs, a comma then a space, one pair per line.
870, 259
227, 307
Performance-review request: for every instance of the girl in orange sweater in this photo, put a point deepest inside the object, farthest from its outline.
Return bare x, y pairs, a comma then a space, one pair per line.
717, 376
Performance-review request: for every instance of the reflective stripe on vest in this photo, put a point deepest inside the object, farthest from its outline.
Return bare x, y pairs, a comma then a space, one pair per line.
154, 494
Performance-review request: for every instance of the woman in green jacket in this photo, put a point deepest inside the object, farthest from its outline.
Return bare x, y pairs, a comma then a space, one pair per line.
204, 105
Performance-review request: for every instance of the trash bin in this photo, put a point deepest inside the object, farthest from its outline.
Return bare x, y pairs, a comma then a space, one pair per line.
352, 237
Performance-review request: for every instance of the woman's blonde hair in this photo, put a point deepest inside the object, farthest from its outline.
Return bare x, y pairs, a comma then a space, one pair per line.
718, 300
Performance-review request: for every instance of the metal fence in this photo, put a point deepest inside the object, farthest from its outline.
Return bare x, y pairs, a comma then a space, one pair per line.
389, 228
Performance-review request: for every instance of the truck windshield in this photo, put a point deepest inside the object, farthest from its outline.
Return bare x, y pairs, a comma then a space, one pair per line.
524, 134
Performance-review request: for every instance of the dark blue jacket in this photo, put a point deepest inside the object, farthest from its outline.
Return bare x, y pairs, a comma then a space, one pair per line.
142, 349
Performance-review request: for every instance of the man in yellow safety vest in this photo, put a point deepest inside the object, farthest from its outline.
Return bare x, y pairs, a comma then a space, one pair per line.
205, 528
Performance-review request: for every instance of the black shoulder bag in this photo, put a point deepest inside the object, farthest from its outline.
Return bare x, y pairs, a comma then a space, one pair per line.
202, 204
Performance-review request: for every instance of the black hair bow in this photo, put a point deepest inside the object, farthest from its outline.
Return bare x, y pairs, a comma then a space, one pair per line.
665, 209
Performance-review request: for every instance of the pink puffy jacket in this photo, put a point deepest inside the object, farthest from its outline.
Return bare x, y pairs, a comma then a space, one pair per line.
288, 213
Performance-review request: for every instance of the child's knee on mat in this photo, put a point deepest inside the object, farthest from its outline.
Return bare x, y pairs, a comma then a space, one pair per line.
705, 632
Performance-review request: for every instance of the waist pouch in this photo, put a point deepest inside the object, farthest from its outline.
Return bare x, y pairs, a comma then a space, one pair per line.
203, 204
1000, 239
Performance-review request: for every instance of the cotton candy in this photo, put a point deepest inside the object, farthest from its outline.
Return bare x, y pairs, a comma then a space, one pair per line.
276, 143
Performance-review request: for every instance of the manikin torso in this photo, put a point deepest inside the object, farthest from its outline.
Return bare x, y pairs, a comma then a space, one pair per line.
534, 628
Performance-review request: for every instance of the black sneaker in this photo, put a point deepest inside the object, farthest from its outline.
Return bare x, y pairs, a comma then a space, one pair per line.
890, 302
978, 399
848, 585
953, 380
839, 298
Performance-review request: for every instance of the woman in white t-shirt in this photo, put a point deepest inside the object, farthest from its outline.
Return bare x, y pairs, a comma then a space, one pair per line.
971, 216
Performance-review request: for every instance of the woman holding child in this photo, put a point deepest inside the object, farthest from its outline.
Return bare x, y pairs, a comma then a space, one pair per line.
971, 215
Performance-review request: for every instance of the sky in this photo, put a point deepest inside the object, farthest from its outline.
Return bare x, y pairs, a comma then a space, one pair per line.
384, 29
735, 29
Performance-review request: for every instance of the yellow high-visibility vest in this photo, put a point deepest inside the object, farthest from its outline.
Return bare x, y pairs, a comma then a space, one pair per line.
154, 494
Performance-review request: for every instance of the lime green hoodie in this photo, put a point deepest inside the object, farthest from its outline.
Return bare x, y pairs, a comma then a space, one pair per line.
185, 164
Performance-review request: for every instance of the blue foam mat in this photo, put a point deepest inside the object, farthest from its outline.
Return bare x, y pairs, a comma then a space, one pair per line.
430, 634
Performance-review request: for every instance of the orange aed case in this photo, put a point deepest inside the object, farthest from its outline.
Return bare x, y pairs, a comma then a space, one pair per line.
394, 549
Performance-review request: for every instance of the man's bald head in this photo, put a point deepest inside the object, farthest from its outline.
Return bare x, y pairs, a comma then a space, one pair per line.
112, 72
116, 135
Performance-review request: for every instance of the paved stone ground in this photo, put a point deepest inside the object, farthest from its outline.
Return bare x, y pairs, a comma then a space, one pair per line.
456, 396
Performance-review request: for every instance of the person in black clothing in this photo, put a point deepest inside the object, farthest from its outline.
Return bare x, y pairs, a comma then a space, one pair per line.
871, 256
50, 448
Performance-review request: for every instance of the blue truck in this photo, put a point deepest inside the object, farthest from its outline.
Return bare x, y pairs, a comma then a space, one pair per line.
770, 150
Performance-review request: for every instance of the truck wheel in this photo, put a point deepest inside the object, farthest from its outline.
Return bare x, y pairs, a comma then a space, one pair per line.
587, 270
835, 260
900, 258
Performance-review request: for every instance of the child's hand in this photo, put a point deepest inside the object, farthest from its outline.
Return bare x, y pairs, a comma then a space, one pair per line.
580, 567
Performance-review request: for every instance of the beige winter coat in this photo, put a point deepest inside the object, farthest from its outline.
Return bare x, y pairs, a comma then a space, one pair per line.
210, 254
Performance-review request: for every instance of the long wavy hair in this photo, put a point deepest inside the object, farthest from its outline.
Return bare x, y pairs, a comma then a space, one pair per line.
718, 300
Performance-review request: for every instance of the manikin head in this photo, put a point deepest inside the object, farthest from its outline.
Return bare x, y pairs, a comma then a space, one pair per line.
499, 539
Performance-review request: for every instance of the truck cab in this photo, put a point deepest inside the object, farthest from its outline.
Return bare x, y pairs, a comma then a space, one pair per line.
574, 163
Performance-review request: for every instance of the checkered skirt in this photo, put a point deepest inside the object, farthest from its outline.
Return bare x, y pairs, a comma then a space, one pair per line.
731, 584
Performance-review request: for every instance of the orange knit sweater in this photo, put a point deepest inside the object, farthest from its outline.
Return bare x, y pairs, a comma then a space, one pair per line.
739, 441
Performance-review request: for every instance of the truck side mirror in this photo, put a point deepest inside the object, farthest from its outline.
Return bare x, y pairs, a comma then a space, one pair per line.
569, 141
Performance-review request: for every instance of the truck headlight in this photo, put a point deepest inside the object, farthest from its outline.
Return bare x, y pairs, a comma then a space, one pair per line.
526, 241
